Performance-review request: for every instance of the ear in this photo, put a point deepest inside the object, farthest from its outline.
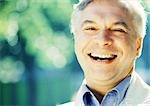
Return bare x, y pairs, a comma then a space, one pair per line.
139, 43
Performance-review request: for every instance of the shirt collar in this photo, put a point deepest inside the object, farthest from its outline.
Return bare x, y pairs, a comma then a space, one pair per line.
121, 89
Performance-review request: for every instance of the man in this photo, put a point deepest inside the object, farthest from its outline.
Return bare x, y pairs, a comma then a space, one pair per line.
108, 38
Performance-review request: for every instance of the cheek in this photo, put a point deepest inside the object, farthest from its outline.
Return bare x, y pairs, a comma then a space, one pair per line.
126, 44
81, 42
129, 46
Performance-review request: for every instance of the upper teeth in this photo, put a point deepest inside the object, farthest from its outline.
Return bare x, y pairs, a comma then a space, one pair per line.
102, 56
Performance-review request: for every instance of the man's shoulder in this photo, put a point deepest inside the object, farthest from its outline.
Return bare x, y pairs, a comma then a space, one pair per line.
139, 86
138, 91
67, 104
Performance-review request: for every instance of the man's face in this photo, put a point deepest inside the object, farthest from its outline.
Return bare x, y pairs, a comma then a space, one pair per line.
105, 41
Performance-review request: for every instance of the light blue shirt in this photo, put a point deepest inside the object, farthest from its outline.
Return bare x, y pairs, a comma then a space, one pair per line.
112, 98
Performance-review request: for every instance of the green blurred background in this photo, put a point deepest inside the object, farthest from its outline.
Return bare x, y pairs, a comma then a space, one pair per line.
38, 66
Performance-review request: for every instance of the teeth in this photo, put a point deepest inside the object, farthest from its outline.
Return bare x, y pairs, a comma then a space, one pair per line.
102, 56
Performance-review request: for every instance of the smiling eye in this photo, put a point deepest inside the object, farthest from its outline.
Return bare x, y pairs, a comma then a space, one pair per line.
90, 28
119, 30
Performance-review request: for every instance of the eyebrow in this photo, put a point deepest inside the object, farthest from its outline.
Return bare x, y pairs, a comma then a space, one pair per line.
88, 22
122, 23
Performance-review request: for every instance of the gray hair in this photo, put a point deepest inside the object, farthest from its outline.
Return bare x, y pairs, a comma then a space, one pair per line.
134, 7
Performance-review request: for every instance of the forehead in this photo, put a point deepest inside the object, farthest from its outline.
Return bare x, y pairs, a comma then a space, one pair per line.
105, 9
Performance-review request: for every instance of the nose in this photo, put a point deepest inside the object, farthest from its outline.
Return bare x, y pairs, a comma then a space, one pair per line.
104, 38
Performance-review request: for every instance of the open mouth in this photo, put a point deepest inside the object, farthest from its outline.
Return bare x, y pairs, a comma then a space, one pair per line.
102, 57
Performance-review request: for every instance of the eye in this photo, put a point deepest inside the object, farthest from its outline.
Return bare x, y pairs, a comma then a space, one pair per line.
119, 30
90, 28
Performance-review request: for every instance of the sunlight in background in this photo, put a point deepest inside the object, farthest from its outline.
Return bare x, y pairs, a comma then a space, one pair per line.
12, 29
10, 70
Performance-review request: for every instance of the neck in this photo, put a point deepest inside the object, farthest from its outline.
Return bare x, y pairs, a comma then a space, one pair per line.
100, 88
97, 87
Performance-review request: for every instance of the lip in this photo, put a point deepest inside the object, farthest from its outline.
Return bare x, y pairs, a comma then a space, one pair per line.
109, 60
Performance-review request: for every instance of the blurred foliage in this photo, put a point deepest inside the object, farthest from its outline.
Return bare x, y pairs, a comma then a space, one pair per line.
35, 44
44, 28
9, 73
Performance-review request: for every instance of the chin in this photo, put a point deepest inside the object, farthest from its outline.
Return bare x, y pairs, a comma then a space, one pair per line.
102, 74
